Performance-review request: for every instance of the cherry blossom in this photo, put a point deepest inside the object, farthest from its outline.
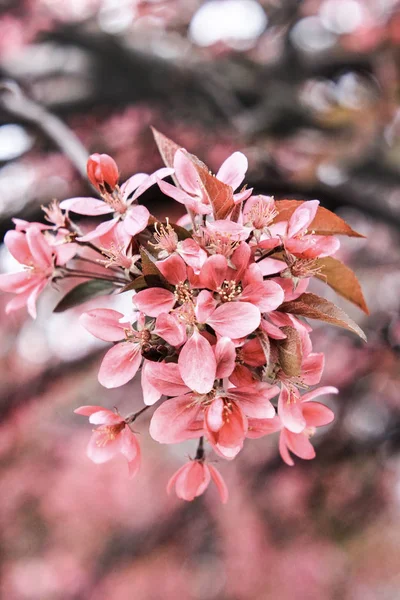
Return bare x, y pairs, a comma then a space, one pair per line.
192, 479
216, 323
112, 437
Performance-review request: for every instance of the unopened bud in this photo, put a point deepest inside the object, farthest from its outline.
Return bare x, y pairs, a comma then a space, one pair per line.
102, 172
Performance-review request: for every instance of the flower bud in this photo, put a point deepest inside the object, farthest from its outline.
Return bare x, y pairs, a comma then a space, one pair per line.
102, 172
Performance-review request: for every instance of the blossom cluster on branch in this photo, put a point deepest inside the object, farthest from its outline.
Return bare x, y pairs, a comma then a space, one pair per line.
217, 327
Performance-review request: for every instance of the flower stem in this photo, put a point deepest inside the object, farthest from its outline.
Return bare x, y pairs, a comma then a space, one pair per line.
75, 273
131, 418
200, 450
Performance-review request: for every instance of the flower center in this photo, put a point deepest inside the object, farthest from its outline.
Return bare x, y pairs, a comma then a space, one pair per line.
229, 290
114, 200
221, 244
262, 213
183, 293
166, 238
108, 433
116, 255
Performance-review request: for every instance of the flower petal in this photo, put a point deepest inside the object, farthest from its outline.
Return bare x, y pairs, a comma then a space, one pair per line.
235, 319
193, 255
120, 364
33, 296
166, 378
290, 410
299, 444
177, 420
88, 410
131, 184
173, 268
266, 295
136, 220
302, 217
170, 329
151, 180
205, 306
327, 389
104, 323
87, 206
173, 192
213, 271
317, 414
17, 245
312, 368
225, 355
197, 364
214, 415
100, 452
260, 427
154, 301
186, 173
129, 447
41, 251
220, 484
192, 480
255, 399
233, 169
150, 394
99, 231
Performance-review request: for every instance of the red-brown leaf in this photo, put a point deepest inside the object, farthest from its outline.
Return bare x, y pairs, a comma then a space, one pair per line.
315, 307
343, 280
151, 273
325, 222
167, 149
219, 194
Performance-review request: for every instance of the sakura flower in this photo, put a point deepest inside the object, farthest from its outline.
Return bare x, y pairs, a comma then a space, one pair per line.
121, 363
221, 414
258, 213
192, 479
39, 261
112, 437
191, 192
115, 200
117, 247
293, 411
297, 424
296, 239
54, 215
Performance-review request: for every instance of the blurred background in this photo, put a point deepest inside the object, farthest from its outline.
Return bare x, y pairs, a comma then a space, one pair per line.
309, 90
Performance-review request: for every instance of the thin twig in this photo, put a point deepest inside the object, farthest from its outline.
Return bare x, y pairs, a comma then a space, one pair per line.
19, 105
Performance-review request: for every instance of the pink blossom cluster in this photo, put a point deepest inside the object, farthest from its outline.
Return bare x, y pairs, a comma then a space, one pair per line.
217, 325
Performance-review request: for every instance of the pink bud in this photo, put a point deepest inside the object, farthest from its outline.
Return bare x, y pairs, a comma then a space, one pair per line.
102, 171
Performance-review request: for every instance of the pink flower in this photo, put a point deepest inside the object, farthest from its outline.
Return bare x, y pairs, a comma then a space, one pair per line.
121, 363
112, 437
192, 480
191, 194
114, 199
258, 213
295, 236
116, 245
39, 259
297, 421
220, 415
